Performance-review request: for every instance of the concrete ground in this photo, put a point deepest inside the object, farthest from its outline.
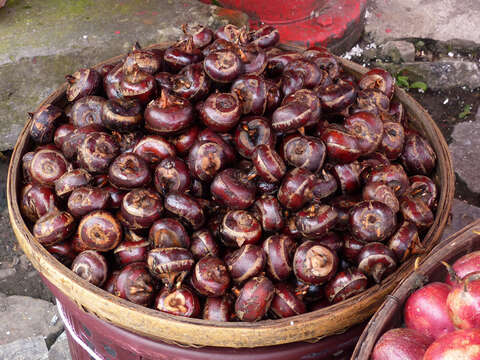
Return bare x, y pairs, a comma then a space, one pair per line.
414, 38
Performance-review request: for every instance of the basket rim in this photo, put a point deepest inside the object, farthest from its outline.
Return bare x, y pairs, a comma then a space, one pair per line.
198, 332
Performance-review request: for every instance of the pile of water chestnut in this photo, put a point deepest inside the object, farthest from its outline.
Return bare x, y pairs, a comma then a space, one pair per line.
228, 179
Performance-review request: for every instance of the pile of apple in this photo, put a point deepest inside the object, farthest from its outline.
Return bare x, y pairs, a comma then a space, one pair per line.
442, 319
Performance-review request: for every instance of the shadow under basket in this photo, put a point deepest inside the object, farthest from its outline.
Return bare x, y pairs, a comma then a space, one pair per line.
91, 302
389, 315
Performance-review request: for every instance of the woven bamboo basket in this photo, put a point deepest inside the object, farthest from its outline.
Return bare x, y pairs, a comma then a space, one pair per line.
389, 315
160, 326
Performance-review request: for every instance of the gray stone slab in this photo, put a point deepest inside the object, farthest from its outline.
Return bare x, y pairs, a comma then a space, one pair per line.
433, 19
440, 75
60, 350
23, 316
462, 214
43, 40
465, 149
33, 348
399, 51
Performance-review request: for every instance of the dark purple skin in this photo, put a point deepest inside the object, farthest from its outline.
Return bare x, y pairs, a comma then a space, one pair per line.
111, 283
372, 221
324, 60
112, 81
168, 114
44, 121
203, 243
239, 227
182, 54
324, 186
377, 261
168, 232
291, 116
135, 284
129, 171
82, 83
295, 189
372, 100
220, 139
314, 264
191, 83
36, 201
251, 132
47, 166
423, 188
246, 262
352, 247
210, 276
274, 96
345, 284
91, 266
201, 35
309, 98
254, 60
310, 72
342, 147
128, 252
418, 157
392, 175
170, 264
286, 303
140, 208
393, 140
396, 113
185, 140
231, 188
254, 299
53, 227
206, 159
137, 84
63, 252
72, 142
337, 97
122, 115
153, 149
381, 192
221, 111
252, 92
97, 151
172, 175
149, 61
316, 220
304, 152
332, 240
292, 81
265, 37
87, 111
181, 302
99, 230
164, 80
217, 308
278, 62
279, 250
405, 241
417, 212
268, 211
115, 196
85, 199
343, 203
223, 66
61, 133
309, 293
368, 128
72, 180
268, 164
348, 176
186, 208
378, 79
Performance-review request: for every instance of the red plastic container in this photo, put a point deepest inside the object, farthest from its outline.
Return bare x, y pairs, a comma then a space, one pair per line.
109, 342
337, 24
